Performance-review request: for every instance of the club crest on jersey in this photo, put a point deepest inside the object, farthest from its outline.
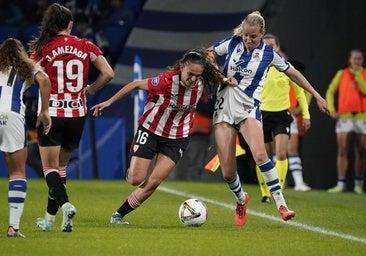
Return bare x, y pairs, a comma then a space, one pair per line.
155, 81
135, 148
256, 55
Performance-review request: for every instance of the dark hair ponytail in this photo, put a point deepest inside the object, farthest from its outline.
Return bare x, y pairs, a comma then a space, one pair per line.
55, 19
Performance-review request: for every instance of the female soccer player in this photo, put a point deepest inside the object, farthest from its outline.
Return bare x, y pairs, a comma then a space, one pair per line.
164, 126
17, 73
247, 60
66, 59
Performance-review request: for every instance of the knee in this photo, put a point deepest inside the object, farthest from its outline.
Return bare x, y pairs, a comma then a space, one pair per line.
135, 180
282, 155
342, 152
228, 177
260, 157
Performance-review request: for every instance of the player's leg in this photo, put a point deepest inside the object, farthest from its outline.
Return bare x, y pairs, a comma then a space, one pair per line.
168, 151
359, 163
253, 134
17, 189
344, 130
342, 162
293, 156
266, 194
281, 144
225, 138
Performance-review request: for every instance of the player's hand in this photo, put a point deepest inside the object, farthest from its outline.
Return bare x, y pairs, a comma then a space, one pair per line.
97, 109
46, 121
230, 81
334, 115
296, 111
89, 91
306, 124
323, 106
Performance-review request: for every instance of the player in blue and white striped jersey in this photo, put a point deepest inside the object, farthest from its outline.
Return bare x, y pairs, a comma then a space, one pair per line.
17, 73
238, 108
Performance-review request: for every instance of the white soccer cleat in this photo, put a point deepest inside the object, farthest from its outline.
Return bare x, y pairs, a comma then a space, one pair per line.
45, 225
116, 218
69, 212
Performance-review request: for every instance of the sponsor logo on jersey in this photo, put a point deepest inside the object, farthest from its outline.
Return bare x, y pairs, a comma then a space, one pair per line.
244, 71
3, 120
66, 103
181, 107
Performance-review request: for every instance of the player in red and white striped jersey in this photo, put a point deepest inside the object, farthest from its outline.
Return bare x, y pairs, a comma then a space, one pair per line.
66, 59
165, 124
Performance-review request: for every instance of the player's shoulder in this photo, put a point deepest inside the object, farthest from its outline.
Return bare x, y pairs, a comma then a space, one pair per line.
171, 73
164, 78
80, 41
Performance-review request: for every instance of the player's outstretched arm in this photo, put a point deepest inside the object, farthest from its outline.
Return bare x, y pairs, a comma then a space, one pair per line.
125, 90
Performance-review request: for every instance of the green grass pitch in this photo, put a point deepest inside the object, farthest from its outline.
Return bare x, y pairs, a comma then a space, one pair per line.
325, 224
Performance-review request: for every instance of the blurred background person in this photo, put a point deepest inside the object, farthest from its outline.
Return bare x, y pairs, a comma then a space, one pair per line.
30, 99
298, 129
277, 118
349, 84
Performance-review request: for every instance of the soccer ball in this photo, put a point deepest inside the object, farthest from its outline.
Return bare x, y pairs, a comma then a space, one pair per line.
192, 212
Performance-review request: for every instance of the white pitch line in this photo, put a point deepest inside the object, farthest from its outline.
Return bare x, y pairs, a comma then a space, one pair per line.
266, 216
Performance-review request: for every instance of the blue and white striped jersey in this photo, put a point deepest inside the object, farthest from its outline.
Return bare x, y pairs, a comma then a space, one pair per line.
248, 67
12, 88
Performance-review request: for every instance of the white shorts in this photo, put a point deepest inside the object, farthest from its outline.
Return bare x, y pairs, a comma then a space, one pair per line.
13, 135
351, 125
294, 129
233, 106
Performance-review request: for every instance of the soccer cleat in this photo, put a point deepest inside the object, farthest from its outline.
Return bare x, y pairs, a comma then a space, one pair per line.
68, 213
266, 199
241, 212
358, 189
337, 189
286, 214
45, 225
14, 232
302, 187
116, 218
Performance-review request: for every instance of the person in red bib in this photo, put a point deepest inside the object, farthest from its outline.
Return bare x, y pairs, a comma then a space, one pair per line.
350, 85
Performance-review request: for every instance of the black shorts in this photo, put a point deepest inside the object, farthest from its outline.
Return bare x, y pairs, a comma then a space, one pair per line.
147, 144
275, 123
65, 131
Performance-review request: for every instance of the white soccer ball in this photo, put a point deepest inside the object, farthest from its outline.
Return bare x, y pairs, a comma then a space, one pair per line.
192, 212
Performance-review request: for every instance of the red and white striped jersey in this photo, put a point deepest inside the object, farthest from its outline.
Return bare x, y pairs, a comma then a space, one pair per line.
170, 107
66, 59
